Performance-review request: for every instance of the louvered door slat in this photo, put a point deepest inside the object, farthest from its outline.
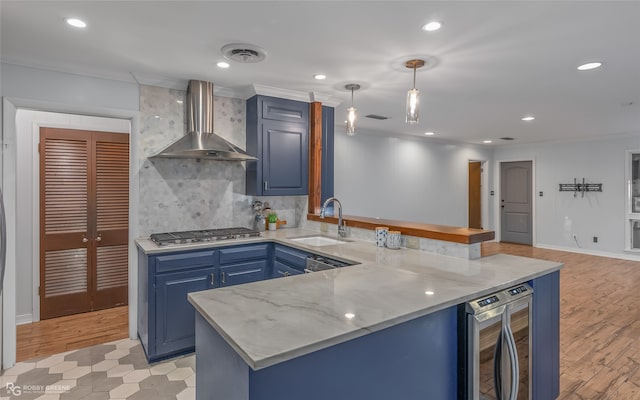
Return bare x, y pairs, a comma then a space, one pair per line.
66, 272
65, 185
112, 266
112, 185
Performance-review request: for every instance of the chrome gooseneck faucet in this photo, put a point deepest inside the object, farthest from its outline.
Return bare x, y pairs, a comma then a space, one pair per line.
342, 232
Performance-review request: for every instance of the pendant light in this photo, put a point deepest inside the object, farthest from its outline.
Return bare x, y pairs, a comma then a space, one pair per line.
351, 111
413, 95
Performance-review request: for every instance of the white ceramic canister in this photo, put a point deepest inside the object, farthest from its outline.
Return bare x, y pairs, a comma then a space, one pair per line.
381, 236
393, 240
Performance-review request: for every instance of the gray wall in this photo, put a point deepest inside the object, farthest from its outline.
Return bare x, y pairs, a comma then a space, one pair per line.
406, 178
597, 214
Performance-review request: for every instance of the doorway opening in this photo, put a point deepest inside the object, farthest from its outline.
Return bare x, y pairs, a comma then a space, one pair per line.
50, 175
475, 205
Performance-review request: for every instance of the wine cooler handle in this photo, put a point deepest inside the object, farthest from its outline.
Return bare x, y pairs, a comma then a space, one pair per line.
497, 366
515, 368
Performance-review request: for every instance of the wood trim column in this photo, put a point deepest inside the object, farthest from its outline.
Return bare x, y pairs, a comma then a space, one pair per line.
315, 157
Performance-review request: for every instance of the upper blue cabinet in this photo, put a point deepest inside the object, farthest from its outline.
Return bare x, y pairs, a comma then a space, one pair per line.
278, 135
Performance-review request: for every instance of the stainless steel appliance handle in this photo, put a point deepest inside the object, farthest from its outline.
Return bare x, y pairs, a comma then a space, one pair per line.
497, 366
515, 368
3, 242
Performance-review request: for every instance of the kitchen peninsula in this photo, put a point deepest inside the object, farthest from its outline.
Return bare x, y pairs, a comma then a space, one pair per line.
386, 328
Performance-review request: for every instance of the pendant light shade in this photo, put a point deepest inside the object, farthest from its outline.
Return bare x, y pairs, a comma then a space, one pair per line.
413, 95
351, 111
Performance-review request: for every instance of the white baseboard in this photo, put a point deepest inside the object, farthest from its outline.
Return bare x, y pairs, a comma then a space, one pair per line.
622, 256
24, 319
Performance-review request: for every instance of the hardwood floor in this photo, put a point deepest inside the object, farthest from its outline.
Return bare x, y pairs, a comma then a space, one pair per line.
72, 332
599, 323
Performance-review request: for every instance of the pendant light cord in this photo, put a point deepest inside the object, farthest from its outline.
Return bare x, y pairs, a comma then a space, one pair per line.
414, 76
352, 96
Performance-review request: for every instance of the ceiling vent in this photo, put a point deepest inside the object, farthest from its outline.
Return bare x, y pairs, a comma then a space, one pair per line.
379, 117
506, 138
244, 53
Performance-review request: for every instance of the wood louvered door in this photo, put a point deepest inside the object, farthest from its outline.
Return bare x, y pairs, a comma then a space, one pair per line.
84, 201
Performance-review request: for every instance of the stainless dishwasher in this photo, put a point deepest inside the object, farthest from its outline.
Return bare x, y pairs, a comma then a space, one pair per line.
497, 346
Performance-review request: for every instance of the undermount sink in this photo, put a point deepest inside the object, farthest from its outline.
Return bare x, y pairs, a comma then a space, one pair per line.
318, 240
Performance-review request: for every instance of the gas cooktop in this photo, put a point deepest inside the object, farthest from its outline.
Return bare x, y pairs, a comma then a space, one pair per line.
206, 235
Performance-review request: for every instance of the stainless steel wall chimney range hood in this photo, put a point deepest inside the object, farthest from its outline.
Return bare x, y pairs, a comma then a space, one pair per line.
200, 140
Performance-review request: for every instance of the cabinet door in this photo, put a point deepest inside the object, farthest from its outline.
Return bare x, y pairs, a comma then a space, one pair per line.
245, 272
175, 316
281, 269
277, 109
293, 257
285, 158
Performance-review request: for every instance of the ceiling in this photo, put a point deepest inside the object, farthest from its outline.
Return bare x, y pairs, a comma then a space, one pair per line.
491, 63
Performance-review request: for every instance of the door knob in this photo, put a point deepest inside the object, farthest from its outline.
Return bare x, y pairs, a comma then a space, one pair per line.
84, 240
99, 238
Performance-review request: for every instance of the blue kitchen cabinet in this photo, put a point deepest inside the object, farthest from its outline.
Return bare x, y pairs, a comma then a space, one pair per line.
165, 317
175, 317
244, 264
166, 320
288, 261
281, 270
278, 135
546, 337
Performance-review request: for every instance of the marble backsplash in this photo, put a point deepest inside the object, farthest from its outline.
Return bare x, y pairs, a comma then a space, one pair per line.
184, 194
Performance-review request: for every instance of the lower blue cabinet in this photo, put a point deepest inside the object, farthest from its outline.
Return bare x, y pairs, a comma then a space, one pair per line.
166, 319
249, 271
175, 316
288, 261
281, 269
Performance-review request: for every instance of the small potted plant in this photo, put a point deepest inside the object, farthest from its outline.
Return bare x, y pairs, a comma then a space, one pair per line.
273, 220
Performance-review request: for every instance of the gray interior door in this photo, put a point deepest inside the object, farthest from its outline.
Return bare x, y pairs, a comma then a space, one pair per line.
515, 202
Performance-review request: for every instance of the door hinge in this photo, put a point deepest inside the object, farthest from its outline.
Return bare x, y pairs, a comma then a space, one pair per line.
40, 291
38, 148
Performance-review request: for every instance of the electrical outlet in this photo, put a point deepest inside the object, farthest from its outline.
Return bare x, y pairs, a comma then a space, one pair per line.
595, 239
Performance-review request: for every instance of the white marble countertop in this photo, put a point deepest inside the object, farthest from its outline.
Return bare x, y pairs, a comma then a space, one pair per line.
275, 320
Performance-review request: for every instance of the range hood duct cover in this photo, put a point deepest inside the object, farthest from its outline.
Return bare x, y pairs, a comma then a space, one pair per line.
201, 141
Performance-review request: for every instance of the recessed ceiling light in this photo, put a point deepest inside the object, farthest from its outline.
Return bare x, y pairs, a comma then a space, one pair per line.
429, 293
487, 141
179, 101
319, 77
76, 23
588, 66
429, 133
431, 26
156, 116
349, 315
223, 64
528, 118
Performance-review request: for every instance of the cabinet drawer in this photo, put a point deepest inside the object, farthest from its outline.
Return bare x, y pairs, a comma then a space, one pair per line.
176, 262
243, 253
285, 110
296, 258
280, 270
246, 272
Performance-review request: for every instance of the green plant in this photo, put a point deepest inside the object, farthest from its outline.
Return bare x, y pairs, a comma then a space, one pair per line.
273, 218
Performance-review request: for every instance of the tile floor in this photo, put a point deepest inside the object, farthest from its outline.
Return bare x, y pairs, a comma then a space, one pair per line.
116, 370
